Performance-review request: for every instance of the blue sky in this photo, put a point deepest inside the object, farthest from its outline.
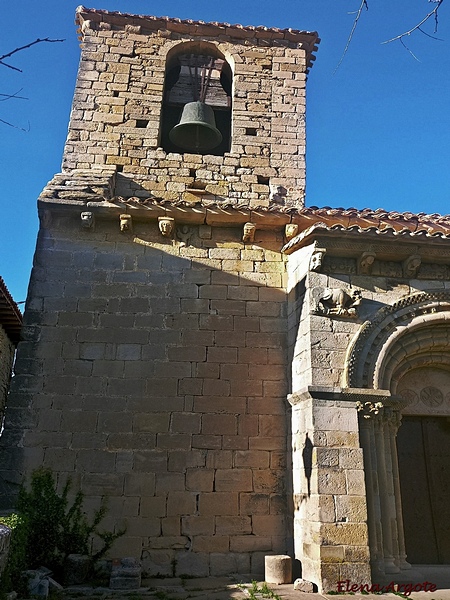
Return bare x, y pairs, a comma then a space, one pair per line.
378, 128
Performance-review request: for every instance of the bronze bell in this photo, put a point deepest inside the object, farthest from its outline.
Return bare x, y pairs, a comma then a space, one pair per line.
197, 128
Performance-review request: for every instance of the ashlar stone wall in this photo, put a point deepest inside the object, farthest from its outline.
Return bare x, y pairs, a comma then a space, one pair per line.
153, 371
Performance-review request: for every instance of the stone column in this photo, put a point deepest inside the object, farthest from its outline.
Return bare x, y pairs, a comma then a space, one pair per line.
393, 425
366, 432
386, 522
330, 531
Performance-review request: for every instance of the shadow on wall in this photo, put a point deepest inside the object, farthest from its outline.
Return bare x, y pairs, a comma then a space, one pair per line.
153, 371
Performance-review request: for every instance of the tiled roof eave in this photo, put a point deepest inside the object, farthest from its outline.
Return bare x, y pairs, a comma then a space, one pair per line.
10, 315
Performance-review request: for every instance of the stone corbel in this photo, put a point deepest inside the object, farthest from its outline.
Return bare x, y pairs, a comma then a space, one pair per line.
290, 231
87, 220
315, 263
248, 236
365, 263
184, 234
166, 226
411, 265
126, 223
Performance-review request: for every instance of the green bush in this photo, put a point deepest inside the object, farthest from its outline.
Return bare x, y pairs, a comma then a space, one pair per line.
17, 550
48, 528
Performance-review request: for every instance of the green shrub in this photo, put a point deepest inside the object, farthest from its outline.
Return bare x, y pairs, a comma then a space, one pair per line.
17, 550
48, 528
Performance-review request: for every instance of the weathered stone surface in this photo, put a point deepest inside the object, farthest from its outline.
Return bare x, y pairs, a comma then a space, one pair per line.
303, 586
125, 574
278, 569
76, 569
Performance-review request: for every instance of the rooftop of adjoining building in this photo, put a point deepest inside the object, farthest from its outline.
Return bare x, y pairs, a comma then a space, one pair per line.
10, 315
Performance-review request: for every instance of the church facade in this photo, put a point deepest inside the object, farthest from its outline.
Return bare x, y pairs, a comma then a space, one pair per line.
239, 374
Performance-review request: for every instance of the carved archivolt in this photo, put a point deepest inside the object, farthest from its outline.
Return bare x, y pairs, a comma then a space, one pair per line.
411, 333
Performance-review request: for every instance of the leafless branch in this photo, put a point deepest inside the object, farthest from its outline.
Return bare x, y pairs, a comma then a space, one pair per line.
408, 49
38, 41
430, 15
355, 23
4, 97
14, 126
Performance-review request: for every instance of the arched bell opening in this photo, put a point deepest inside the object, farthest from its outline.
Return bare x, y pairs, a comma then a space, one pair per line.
196, 113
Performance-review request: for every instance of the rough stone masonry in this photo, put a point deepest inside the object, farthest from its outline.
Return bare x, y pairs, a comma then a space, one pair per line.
229, 367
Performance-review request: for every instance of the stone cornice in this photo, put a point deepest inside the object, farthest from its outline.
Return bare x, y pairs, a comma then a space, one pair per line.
88, 18
94, 190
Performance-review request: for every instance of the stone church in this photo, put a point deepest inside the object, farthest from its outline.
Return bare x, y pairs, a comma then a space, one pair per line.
240, 375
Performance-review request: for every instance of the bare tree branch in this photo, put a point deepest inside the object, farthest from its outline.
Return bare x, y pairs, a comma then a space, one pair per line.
4, 97
431, 14
15, 126
350, 37
408, 49
38, 41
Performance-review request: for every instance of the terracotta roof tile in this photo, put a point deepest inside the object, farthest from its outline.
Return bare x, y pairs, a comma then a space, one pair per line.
10, 315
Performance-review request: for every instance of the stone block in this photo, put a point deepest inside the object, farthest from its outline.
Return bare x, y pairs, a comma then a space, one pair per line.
218, 503
301, 585
343, 534
250, 543
192, 564
223, 423
223, 564
181, 503
239, 480
278, 569
351, 508
196, 525
332, 554
125, 574
200, 480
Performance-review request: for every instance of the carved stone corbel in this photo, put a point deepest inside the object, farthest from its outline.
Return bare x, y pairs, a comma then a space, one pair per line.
87, 220
411, 265
126, 223
248, 236
290, 231
365, 263
166, 226
316, 260
184, 234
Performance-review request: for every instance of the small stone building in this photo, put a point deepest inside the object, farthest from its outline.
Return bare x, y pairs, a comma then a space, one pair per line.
229, 367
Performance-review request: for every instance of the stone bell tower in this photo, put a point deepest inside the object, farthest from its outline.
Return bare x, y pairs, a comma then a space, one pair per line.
154, 367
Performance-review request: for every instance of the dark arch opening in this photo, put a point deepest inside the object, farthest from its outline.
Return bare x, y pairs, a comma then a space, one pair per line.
197, 72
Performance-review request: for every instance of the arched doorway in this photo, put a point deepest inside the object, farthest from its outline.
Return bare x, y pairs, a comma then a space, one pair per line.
423, 446
402, 357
